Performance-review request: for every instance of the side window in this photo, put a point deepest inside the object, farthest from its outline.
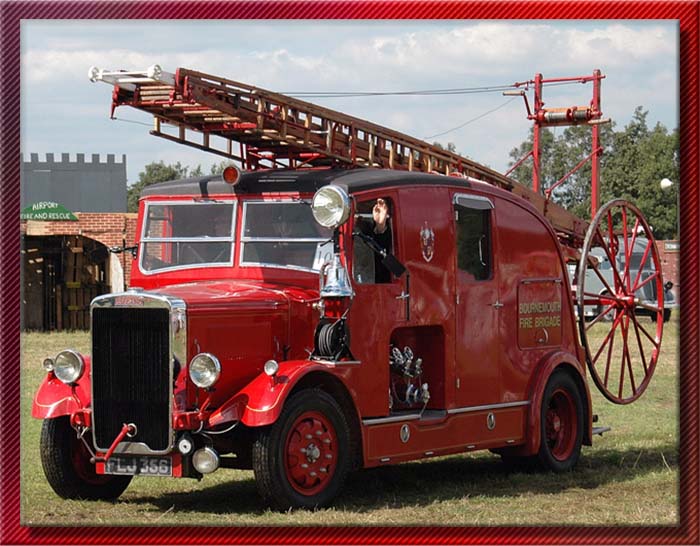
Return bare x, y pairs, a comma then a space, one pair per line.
367, 264
473, 236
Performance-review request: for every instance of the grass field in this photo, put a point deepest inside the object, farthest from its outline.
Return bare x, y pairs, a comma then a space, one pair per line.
628, 477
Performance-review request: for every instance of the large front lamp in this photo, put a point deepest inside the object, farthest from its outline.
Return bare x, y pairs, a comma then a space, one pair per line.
331, 206
204, 370
68, 366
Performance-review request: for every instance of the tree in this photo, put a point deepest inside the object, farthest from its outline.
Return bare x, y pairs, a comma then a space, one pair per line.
157, 172
218, 168
633, 162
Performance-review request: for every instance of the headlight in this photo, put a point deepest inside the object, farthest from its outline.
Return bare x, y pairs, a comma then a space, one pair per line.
205, 369
69, 366
331, 206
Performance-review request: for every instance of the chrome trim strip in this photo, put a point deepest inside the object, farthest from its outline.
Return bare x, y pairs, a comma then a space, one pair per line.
178, 349
468, 409
471, 409
336, 362
556, 280
394, 419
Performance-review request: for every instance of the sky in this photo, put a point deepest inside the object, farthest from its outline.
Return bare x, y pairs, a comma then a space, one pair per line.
63, 112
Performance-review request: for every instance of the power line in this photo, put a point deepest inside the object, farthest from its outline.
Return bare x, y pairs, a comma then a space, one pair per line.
472, 120
421, 92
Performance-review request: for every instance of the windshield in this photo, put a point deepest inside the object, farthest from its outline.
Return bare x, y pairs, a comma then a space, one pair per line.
187, 235
283, 234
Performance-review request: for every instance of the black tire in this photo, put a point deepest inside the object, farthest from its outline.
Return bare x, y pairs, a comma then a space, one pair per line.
66, 463
561, 423
278, 473
667, 316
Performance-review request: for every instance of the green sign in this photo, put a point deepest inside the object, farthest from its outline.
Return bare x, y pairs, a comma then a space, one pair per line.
47, 211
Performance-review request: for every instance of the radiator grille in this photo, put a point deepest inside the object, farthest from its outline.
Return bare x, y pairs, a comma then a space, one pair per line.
131, 375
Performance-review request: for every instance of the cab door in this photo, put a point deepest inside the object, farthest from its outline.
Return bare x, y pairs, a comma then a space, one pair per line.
477, 305
378, 306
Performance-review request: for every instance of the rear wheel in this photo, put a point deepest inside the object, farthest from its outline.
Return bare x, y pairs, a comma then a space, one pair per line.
67, 466
301, 461
561, 423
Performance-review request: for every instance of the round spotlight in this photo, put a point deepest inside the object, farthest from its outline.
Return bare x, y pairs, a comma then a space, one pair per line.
205, 460
271, 367
93, 74
48, 364
231, 175
154, 72
204, 370
331, 206
68, 366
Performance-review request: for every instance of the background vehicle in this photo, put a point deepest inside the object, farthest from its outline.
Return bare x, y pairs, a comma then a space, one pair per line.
646, 294
262, 334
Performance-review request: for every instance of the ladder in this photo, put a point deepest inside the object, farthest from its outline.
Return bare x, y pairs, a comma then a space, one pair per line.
262, 129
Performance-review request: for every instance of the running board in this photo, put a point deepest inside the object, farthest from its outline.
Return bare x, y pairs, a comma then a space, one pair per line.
600, 430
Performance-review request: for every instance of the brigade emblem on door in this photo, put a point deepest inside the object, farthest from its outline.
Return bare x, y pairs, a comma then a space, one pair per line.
427, 242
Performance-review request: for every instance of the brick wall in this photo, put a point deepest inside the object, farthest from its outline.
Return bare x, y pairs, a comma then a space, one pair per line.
669, 255
109, 229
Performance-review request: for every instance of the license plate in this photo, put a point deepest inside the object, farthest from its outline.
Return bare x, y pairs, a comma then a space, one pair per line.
139, 466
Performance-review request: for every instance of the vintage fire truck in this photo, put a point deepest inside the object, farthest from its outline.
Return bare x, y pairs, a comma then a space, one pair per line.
271, 327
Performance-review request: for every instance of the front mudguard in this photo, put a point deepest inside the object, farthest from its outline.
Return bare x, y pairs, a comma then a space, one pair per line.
260, 402
54, 398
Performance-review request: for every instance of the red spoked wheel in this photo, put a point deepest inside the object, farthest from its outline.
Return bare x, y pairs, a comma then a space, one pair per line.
67, 467
302, 459
561, 425
311, 456
619, 281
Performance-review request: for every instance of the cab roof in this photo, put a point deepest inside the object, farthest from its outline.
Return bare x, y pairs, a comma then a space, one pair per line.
302, 181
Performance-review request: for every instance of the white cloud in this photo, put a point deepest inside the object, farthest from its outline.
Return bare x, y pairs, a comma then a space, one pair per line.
639, 58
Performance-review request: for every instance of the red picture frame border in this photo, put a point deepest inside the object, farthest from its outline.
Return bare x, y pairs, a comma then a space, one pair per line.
11, 532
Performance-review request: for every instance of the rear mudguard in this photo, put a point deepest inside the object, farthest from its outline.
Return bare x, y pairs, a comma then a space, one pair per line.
539, 381
54, 398
260, 402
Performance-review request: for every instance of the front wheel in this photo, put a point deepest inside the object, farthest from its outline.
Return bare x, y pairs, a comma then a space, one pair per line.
67, 466
561, 423
301, 461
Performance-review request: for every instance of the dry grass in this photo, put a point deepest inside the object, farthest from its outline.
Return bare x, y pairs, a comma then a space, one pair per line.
629, 477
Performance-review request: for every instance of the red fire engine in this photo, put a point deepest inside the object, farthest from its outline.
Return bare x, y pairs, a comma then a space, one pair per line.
448, 326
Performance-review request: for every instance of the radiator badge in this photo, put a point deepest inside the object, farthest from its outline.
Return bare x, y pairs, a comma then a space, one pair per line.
131, 301
427, 242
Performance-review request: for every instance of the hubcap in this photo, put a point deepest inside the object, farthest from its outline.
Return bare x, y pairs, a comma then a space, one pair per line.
310, 453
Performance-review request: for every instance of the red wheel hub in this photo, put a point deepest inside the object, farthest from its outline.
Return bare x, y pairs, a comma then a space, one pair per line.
310, 453
561, 425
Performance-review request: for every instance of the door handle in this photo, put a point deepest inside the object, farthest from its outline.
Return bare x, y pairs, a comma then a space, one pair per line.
497, 305
403, 296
